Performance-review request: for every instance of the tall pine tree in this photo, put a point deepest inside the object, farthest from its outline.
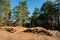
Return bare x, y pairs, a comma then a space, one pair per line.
4, 11
22, 13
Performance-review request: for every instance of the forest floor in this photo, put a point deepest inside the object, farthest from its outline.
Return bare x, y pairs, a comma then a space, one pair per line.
5, 35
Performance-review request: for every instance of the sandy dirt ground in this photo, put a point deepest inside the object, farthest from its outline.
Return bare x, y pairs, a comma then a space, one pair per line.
4, 35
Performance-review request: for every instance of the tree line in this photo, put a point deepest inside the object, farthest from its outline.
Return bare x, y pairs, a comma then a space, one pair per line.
47, 16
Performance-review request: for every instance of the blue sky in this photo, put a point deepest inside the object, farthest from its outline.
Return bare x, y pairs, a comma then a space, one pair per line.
31, 4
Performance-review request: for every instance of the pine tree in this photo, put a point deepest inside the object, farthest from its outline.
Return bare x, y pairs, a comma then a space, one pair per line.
35, 16
50, 10
22, 13
4, 11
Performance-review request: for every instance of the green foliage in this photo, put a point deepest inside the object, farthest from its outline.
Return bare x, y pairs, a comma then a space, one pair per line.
22, 13
34, 17
51, 14
4, 11
47, 16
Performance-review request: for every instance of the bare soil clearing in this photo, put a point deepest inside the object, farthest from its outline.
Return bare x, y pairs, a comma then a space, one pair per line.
20, 35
